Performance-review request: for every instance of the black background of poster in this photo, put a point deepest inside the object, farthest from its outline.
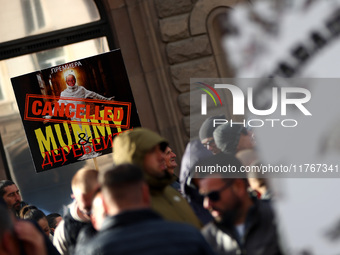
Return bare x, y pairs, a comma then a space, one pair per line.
104, 74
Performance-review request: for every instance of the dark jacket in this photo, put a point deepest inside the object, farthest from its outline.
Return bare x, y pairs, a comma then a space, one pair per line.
260, 236
85, 236
144, 232
51, 250
194, 152
72, 229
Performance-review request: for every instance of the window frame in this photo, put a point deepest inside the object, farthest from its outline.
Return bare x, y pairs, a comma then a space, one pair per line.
62, 37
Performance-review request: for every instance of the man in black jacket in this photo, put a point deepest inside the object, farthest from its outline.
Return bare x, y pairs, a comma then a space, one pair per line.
132, 227
242, 224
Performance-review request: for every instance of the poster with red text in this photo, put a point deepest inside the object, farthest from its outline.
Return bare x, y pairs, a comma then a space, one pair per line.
72, 112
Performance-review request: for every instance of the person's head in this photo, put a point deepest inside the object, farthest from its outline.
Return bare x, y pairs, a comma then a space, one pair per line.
25, 209
98, 213
154, 162
70, 80
123, 188
84, 186
170, 160
143, 148
194, 152
8, 241
225, 196
233, 138
53, 221
29, 212
206, 134
11, 194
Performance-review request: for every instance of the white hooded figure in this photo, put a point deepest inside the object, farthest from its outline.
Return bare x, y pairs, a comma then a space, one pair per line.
73, 90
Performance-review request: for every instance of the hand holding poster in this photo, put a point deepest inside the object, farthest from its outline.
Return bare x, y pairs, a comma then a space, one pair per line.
72, 112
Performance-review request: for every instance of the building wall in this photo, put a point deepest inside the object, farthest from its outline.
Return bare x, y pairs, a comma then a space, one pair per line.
164, 44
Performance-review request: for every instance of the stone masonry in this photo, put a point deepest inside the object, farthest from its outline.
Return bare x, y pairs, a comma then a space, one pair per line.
189, 55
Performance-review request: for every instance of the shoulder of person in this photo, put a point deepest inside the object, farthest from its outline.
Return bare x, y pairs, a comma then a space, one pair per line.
59, 240
209, 229
265, 207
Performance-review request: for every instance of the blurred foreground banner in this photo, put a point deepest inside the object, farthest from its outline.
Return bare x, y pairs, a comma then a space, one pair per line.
296, 44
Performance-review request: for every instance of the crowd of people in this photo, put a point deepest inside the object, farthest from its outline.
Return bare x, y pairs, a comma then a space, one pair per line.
139, 206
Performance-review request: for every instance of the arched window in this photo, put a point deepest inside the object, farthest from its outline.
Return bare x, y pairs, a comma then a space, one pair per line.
37, 34
215, 30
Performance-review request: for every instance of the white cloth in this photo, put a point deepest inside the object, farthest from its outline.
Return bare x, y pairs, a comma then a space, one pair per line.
59, 239
240, 230
77, 92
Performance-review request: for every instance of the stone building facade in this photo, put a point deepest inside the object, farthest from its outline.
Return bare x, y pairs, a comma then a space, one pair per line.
164, 44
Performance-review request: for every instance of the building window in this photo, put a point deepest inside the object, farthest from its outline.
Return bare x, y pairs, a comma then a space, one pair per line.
22, 18
216, 31
37, 34
33, 15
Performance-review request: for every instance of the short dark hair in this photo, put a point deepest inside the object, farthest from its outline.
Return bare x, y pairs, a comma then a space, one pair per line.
25, 209
3, 185
33, 213
122, 183
51, 219
117, 176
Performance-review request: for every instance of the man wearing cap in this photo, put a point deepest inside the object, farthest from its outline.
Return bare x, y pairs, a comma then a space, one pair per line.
145, 149
233, 138
206, 133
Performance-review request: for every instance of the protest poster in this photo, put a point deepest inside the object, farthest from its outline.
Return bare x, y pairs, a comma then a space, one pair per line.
73, 111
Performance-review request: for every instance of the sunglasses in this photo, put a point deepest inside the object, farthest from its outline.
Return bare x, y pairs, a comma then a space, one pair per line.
214, 196
209, 143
